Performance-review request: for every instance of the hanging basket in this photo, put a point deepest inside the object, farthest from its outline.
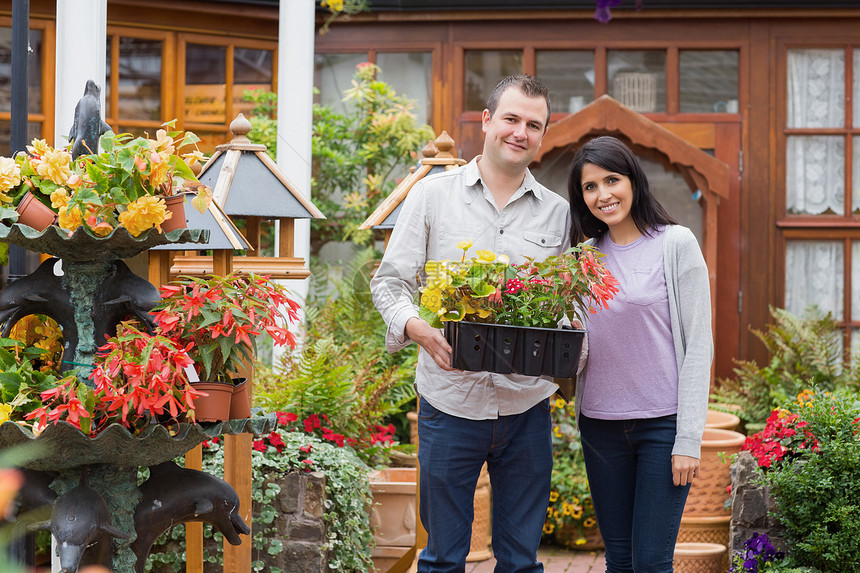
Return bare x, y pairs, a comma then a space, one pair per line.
507, 349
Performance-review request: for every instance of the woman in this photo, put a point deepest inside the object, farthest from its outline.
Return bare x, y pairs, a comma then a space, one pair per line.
641, 398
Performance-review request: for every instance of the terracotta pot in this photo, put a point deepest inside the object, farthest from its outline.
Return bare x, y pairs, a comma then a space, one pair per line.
393, 516
240, 403
699, 557
216, 406
34, 213
722, 420
706, 530
176, 205
708, 493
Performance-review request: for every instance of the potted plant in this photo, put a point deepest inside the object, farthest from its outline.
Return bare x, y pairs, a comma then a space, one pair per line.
218, 319
123, 186
503, 318
570, 519
139, 378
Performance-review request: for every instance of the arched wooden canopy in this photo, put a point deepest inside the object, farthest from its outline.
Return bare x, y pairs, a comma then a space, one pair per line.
701, 171
605, 116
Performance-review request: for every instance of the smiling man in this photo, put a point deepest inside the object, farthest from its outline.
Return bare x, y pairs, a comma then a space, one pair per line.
466, 419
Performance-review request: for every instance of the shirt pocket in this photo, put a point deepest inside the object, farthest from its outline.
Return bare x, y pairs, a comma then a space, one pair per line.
647, 286
541, 243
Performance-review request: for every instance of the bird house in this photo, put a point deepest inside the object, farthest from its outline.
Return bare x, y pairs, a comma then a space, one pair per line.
437, 158
248, 186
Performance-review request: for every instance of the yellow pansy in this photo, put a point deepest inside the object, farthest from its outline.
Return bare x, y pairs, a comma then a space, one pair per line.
580, 541
548, 528
145, 212
590, 522
556, 431
566, 508
553, 496
5, 412
560, 403
486, 256
465, 245
10, 176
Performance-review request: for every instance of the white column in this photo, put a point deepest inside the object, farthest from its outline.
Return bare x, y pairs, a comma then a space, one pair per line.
295, 111
81, 47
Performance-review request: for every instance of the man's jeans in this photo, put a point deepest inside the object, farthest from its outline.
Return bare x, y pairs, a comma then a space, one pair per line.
630, 477
451, 451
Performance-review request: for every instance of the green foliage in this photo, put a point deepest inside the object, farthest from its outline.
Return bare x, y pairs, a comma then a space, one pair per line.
343, 369
357, 155
349, 537
20, 383
570, 515
817, 496
803, 350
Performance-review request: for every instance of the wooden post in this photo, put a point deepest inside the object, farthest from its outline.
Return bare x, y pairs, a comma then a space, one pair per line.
239, 474
194, 529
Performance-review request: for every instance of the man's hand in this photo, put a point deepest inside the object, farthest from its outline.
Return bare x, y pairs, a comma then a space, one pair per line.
684, 469
431, 340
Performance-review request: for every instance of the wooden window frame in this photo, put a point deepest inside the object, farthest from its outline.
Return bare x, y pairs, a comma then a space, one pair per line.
804, 227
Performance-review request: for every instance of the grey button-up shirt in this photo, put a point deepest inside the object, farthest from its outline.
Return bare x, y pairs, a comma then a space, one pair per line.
439, 212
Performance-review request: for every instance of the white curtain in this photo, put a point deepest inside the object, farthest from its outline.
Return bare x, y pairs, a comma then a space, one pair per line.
815, 165
814, 274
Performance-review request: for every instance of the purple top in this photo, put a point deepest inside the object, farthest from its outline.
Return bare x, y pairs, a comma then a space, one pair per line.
632, 370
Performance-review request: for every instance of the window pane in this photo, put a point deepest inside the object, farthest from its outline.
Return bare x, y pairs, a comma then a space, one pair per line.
34, 131
140, 64
856, 87
252, 70
709, 81
34, 71
816, 88
855, 281
332, 75
814, 272
410, 74
637, 78
569, 75
205, 81
815, 175
855, 170
485, 69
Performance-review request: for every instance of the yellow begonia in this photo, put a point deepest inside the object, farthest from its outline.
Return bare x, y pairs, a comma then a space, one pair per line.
70, 217
162, 143
504, 259
144, 213
486, 256
56, 165
39, 147
159, 168
432, 299
465, 245
10, 177
59, 198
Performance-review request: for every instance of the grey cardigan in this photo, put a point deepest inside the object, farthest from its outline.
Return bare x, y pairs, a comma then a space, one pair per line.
690, 313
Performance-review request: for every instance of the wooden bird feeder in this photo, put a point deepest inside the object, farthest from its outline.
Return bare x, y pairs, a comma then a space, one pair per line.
248, 185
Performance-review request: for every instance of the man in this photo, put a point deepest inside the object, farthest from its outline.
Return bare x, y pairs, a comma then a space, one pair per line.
468, 418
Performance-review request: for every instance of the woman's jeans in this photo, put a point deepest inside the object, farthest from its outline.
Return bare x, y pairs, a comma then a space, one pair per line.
451, 451
638, 507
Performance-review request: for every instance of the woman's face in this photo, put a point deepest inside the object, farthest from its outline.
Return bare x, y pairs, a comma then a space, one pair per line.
608, 195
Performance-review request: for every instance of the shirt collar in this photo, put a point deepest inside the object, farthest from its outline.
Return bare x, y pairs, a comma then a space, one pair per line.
474, 185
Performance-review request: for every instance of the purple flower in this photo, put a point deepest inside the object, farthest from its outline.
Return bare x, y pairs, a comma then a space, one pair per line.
602, 13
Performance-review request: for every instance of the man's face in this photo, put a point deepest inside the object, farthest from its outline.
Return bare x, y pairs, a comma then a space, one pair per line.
514, 132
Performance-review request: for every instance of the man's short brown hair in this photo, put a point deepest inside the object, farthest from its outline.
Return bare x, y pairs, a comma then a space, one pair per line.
528, 84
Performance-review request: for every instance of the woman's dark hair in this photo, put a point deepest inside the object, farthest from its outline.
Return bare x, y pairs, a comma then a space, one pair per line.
610, 153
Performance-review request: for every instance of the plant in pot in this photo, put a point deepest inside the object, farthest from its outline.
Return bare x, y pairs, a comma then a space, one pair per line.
503, 318
125, 185
220, 318
138, 378
570, 519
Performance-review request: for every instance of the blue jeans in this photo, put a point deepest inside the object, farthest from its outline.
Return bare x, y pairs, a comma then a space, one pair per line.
451, 451
630, 477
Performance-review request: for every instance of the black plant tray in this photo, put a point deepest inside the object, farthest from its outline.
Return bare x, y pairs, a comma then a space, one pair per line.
515, 349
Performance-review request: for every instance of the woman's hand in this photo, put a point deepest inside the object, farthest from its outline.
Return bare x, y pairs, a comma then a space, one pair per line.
684, 469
